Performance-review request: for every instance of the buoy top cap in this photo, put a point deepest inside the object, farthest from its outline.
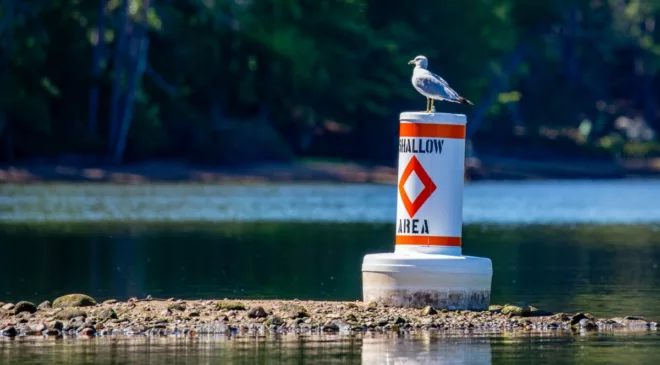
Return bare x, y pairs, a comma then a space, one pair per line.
439, 118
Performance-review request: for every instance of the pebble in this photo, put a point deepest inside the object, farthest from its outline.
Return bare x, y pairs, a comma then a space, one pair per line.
257, 312
74, 300
24, 307
429, 311
44, 305
587, 324
177, 317
38, 327
8, 306
518, 309
88, 331
9, 331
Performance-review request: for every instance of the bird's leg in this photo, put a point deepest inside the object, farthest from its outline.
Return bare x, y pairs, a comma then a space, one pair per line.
432, 108
428, 105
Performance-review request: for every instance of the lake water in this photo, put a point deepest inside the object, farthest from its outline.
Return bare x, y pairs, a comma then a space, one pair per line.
421, 349
525, 202
562, 246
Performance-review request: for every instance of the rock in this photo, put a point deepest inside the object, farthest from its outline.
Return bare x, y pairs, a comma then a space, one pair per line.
38, 327
193, 314
495, 308
229, 305
53, 332
634, 318
75, 323
563, 317
654, 325
587, 324
88, 331
257, 312
399, 320
74, 300
429, 311
535, 312
108, 313
23, 317
8, 306
70, 313
518, 309
294, 311
56, 325
578, 317
330, 327
177, 307
24, 307
372, 306
9, 331
274, 321
110, 301
45, 305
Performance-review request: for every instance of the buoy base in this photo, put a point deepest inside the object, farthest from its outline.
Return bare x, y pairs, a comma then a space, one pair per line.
416, 280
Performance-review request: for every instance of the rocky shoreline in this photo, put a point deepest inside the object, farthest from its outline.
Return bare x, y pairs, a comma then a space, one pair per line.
78, 315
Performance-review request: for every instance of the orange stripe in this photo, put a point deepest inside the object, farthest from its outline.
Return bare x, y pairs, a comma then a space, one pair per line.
428, 240
432, 130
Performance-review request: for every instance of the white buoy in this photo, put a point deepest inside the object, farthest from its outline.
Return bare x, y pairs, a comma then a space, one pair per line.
427, 266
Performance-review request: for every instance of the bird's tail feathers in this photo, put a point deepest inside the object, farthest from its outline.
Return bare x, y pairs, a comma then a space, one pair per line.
463, 100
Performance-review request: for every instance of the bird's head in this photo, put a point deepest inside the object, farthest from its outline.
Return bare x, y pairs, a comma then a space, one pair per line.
419, 61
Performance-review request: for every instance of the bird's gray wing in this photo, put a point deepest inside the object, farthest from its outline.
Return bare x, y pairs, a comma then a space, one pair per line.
435, 85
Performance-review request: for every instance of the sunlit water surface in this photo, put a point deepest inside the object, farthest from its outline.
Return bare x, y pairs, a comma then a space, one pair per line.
625, 201
562, 246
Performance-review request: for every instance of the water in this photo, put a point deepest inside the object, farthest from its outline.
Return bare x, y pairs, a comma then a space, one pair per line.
479, 349
559, 202
562, 246
609, 270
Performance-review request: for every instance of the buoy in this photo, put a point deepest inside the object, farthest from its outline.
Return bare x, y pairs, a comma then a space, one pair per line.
427, 266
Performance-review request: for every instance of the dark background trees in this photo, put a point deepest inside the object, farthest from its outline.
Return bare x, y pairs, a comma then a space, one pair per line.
240, 81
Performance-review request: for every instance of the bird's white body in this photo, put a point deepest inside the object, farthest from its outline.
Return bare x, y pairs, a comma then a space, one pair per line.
431, 85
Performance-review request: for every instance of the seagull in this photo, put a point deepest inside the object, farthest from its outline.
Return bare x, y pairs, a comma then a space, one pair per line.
433, 86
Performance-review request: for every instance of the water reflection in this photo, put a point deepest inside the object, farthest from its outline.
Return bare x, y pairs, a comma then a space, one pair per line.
426, 349
431, 348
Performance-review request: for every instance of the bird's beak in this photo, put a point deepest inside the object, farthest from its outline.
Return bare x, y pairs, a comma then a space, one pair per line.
411, 62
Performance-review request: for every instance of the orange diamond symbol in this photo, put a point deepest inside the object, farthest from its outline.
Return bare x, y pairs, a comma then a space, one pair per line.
429, 187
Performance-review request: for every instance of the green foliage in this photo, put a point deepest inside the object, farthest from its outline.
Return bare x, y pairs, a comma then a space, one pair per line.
302, 63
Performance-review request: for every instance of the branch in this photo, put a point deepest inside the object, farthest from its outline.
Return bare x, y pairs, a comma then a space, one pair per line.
160, 81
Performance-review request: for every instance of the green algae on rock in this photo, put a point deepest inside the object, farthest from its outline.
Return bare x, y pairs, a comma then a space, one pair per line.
518, 309
69, 313
229, 305
74, 300
24, 307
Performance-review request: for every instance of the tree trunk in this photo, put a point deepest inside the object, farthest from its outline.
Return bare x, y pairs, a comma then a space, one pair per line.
6, 27
96, 68
117, 84
216, 111
138, 65
9, 145
496, 86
